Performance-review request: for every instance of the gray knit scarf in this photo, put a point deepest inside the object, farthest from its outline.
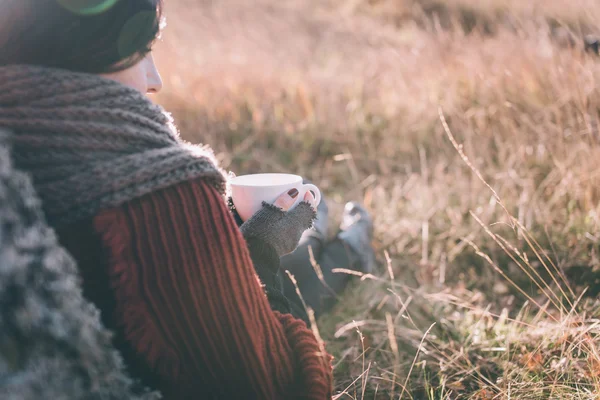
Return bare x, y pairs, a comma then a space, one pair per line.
90, 143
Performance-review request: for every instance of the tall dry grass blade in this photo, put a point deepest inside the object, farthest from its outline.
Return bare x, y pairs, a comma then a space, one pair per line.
295, 283
415, 360
466, 160
530, 239
363, 385
497, 269
348, 327
554, 298
404, 308
394, 348
313, 322
555, 301
319, 272
523, 258
365, 371
559, 270
315, 330
388, 263
362, 275
311, 315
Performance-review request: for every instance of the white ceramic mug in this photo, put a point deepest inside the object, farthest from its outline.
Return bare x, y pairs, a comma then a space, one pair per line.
249, 191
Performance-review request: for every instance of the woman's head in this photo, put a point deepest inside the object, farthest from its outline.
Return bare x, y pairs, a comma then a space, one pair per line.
112, 38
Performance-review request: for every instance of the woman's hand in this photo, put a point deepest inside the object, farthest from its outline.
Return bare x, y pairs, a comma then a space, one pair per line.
287, 200
279, 228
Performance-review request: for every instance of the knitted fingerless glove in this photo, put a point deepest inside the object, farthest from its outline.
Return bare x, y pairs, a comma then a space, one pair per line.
279, 229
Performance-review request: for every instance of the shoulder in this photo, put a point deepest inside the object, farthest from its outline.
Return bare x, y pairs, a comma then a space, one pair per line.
190, 206
191, 196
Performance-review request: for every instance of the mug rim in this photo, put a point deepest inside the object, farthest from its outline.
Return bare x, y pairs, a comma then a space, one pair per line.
297, 179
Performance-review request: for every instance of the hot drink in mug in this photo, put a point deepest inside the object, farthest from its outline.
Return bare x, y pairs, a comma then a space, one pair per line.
249, 191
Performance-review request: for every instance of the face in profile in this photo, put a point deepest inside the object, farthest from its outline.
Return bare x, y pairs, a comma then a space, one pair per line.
110, 38
143, 76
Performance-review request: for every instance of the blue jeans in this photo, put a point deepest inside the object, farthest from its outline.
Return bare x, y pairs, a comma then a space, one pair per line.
320, 295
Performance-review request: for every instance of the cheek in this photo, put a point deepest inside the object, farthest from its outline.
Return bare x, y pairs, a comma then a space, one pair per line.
137, 78
134, 77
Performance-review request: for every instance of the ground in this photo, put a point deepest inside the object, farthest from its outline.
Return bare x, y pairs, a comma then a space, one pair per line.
469, 128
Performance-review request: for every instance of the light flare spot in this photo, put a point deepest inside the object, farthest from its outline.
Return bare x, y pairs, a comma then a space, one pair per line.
87, 7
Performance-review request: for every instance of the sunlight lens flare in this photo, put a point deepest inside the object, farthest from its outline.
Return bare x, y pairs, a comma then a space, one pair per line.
87, 7
137, 28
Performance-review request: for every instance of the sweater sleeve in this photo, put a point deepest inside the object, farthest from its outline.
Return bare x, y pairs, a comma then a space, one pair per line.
191, 307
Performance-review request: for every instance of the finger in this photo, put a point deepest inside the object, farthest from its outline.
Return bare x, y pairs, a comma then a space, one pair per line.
287, 200
302, 216
310, 198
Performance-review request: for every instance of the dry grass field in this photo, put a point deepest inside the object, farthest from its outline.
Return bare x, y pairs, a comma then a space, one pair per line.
470, 128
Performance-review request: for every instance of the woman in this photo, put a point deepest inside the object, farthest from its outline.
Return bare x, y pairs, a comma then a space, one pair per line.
143, 213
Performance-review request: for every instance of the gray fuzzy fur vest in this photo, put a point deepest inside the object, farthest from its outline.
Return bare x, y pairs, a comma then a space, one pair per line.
52, 343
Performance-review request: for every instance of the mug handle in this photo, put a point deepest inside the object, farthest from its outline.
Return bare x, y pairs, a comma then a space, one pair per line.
306, 188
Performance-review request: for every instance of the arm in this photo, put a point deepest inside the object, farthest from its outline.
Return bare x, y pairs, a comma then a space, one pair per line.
267, 263
191, 306
267, 266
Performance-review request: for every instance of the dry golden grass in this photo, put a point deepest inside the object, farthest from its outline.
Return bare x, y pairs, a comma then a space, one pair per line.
489, 14
493, 241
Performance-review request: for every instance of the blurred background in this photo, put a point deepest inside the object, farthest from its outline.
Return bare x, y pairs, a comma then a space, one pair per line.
487, 229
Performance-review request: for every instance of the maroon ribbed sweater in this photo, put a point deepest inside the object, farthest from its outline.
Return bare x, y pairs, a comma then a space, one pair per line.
173, 277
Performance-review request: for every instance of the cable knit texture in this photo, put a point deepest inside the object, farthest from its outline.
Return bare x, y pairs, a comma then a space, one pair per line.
52, 344
189, 312
91, 143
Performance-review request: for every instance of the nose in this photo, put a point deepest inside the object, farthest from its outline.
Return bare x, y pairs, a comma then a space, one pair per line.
155, 83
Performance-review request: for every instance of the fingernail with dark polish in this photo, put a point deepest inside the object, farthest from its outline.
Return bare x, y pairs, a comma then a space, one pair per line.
293, 193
